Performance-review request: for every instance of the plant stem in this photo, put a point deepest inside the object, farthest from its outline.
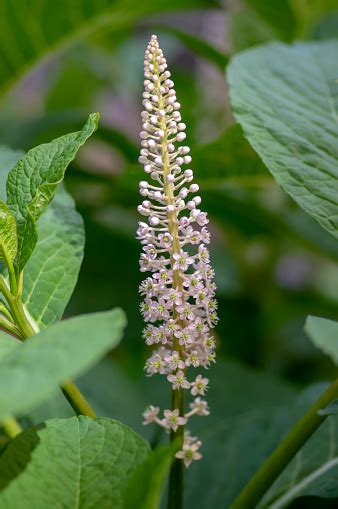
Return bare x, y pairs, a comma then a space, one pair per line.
286, 450
76, 400
176, 477
69, 389
11, 427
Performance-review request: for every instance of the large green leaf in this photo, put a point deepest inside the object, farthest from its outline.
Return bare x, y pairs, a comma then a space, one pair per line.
324, 335
31, 30
71, 463
51, 273
30, 372
8, 234
285, 98
32, 183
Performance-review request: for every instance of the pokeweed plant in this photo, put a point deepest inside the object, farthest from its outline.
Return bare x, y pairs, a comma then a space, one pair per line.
179, 296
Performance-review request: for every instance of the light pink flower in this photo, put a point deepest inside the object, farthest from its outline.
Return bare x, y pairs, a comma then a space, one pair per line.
199, 386
178, 381
172, 420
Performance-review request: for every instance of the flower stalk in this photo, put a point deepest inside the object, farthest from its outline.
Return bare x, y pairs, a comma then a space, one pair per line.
179, 303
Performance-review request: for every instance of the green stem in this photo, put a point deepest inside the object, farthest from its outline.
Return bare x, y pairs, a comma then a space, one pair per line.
76, 400
176, 477
286, 450
11, 427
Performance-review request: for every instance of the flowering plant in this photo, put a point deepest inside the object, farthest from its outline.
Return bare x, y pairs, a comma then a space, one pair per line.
179, 296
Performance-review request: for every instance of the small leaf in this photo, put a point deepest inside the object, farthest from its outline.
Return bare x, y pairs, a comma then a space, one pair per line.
30, 373
324, 335
145, 488
70, 463
32, 183
8, 234
285, 98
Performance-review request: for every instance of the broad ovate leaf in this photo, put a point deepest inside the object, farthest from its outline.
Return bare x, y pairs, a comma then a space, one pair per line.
30, 372
32, 183
8, 234
52, 271
286, 99
324, 335
70, 463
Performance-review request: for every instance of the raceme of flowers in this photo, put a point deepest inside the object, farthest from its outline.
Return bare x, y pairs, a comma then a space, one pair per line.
178, 298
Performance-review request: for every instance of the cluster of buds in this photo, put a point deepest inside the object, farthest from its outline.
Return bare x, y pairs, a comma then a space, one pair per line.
179, 304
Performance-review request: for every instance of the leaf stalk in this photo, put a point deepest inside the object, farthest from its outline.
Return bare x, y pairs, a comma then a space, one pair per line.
274, 465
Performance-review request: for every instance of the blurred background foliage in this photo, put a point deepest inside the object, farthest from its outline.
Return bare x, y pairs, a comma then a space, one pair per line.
274, 265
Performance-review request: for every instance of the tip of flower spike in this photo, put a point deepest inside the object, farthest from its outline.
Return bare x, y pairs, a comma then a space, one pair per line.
153, 43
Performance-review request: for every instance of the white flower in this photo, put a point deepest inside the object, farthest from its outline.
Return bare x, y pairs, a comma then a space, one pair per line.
199, 386
172, 420
150, 414
182, 261
189, 451
178, 381
199, 407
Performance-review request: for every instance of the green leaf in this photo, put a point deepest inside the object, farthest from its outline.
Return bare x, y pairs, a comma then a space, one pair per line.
30, 373
32, 183
7, 345
52, 271
145, 488
8, 234
39, 29
288, 113
70, 463
324, 335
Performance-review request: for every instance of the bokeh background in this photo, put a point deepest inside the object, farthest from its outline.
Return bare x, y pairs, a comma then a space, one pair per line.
274, 265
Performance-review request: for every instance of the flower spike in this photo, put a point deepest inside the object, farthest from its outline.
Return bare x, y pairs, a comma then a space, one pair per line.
179, 305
